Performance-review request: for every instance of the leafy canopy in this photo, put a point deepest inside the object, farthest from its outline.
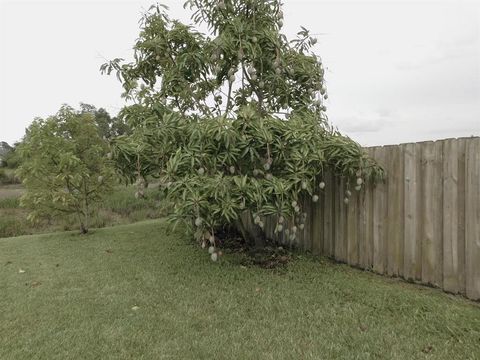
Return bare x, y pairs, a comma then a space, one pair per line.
64, 166
234, 122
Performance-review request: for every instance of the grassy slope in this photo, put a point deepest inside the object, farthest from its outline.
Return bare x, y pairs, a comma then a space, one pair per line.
75, 301
119, 207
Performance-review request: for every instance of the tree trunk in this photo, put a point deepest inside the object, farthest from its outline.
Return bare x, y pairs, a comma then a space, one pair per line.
84, 225
252, 233
83, 228
82, 221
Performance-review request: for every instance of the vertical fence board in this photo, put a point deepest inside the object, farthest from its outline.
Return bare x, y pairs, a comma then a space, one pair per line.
307, 231
472, 219
450, 216
428, 254
462, 143
337, 211
340, 222
269, 227
293, 241
316, 219
395, 211
274, 220
328, 216
315, 230
362, 230
301, 241
379, 217
419, 209
352, 230
368, 218
320, 215
438, 217
276, 236
410, 200
282, 236
432, 247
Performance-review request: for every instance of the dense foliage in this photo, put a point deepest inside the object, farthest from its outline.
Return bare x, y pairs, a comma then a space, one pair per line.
64, 166
233, 123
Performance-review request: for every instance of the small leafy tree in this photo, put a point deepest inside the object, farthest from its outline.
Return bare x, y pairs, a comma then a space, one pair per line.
64, 166
233, 123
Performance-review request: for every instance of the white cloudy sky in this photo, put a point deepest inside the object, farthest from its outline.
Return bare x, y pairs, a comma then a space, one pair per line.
397, 71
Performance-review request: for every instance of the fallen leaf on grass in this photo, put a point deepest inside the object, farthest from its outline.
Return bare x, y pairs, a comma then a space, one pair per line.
36, 283
20, 271
363, 328
427, 349
258, 289
135, 308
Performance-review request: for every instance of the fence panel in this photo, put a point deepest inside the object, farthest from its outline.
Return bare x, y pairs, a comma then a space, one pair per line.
422, 224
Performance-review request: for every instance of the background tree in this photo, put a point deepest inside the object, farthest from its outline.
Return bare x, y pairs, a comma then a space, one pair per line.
8, 156
108, 127
233, 122
5, 148
9, 161
64, 166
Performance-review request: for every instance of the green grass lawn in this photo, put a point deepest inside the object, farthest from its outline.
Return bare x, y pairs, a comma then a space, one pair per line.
75, 300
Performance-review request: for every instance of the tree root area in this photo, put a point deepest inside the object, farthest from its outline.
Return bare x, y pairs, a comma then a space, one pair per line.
271, 256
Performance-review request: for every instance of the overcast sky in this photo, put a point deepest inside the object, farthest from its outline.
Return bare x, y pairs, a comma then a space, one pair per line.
396, 71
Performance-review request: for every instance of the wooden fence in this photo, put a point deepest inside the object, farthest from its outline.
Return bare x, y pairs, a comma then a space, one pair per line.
422, 224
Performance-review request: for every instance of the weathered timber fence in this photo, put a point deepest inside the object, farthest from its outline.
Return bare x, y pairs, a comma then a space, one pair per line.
422, 224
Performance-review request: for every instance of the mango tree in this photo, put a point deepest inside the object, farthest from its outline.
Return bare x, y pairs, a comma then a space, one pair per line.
232, 122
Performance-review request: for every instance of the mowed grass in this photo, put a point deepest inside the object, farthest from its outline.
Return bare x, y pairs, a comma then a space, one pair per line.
119, 207
75, 300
